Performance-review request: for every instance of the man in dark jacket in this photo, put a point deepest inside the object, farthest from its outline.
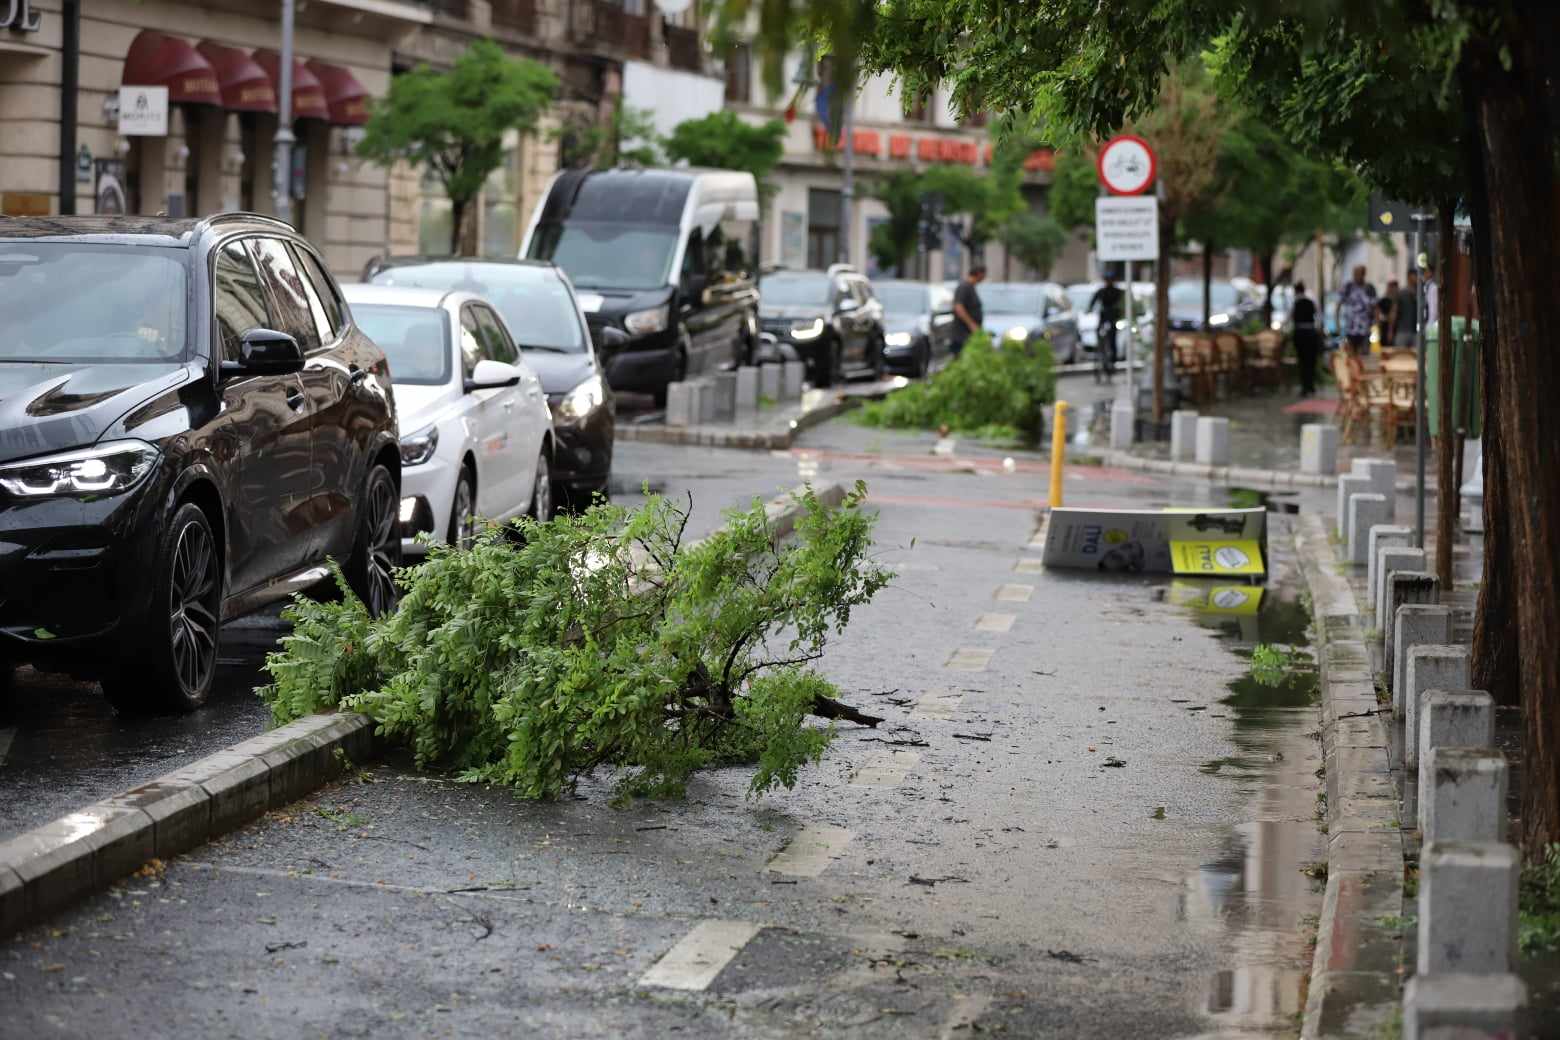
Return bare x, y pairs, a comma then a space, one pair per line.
967, 311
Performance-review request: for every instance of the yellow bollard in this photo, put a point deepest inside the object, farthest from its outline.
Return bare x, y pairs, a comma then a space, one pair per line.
1058, 451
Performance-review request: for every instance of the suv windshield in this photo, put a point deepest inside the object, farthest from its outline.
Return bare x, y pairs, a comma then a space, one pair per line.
533, 301
1012, 299
608, 256
794, 290
415, 341
70, 302
1190, 294
901, 299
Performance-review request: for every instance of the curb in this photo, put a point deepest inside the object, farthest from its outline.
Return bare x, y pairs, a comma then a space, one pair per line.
1241, 475
49, 867
46, 869
1354, 989
777, 439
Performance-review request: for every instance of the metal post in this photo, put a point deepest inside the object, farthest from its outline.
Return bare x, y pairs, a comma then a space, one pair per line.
1420, 432
70, 74
1058, 451
1128, 385
848, 180
281, 174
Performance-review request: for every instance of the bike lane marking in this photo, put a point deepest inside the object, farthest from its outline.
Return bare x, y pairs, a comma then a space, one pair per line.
811, 851
995, 622
700, 955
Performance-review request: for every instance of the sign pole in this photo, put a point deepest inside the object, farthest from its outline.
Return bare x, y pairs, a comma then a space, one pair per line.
281, 175
1419, 394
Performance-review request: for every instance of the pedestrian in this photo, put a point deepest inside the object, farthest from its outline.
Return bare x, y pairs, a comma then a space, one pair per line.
1107, 298
1355, 311
967, 311
1386, 313
1308, 339
1405, 326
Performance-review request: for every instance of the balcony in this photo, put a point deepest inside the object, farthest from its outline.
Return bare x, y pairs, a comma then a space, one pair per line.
605, 23
682, 48
516, 16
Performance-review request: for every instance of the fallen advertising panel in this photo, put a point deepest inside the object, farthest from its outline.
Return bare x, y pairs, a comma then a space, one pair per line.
1215, 543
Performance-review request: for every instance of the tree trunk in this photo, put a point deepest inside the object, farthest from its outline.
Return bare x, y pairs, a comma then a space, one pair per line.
1270, 282
1161, 312
1320, 296
1207, 264
458, 210
1445, 469
1518, 155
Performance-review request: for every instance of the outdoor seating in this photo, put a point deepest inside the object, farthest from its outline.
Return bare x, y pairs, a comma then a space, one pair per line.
1229, 349
1193, 368
1264, 359
1346, 373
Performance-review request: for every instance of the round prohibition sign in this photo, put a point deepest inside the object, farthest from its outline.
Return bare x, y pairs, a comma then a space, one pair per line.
1126, 165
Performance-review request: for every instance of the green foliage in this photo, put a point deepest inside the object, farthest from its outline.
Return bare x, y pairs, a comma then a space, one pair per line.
893, 242
991, 389
603, 641
1074, 187
1538, 923
1036, 239
628, 136
1270, 665
725, 141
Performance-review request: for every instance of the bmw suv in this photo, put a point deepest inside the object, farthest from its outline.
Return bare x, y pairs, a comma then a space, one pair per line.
190, 427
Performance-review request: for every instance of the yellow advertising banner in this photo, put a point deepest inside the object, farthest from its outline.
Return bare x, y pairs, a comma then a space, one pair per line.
1216, 558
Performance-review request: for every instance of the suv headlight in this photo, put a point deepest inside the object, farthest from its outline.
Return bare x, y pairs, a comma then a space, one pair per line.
106, 469
582, 400
418, 448
897, 339
805, 330
643, 323
1017, 332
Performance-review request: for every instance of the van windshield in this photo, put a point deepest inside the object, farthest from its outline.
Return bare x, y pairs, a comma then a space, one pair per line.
608, 256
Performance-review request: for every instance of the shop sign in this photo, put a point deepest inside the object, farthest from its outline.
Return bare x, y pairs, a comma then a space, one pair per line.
18, 16
869, 143
24, 203
143, 111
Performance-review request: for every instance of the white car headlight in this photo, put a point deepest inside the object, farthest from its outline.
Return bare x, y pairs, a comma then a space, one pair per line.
1016, 332
106, 469
417, 448
897, 339
805, 330
582, 400
642, 323
1219, 319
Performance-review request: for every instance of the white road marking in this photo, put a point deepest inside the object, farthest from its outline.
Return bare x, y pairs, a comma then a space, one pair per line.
700, 955
6, 736
813, 849
937, 706
1014, 593
1029, 567
994, 622
969, 659
885, 769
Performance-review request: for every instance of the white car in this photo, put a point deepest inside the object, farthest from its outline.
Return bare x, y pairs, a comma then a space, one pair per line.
476, 432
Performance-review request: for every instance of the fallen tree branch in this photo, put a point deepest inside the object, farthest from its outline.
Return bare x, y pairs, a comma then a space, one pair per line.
829, 708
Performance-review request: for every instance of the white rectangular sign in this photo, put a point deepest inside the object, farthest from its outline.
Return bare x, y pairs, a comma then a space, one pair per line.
1126, 227
143, 111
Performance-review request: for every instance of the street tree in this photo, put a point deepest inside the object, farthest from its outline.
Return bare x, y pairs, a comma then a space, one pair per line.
628, 135
893, 242
1429, 102
725, 141
1074, 186
1035, 239
453, 123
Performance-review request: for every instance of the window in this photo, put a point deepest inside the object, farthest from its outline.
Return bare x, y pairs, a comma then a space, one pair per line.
730, 250
289, 303
471, 349
324, 288
823, 227
416, 341
322, 325
739, 73
531, 298
693, 256
238, 298
860, 292
496, 343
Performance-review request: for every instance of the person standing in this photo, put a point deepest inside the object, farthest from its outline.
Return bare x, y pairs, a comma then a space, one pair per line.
1356, 310
1405, 325
1308, 339
1386, 313
967, 311
1108, 299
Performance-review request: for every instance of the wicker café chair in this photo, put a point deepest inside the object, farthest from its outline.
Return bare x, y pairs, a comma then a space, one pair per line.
1230, 350
1264, 359
1190, 367
1402, 390
1346, 375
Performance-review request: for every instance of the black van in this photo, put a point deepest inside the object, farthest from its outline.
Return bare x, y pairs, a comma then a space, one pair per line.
668, 256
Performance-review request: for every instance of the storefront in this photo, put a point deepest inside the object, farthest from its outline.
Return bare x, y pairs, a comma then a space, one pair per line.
219, 66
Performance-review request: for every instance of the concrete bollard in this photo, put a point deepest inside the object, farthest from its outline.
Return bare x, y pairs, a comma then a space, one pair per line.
1122, 419
1183, 436
1399, 589
1389, 562
705, 391
791, 375
681, 405
1383, 479
725, 388
1462, 792
1365, 512
1463, 1007
747, 389
1416, 624
1319, 449
769, 382
1429, 668
1467, 907
1350, 485
1213, 441
1383, 536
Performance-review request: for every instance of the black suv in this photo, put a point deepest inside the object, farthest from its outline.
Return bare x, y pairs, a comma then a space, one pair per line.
832, 319
190, 425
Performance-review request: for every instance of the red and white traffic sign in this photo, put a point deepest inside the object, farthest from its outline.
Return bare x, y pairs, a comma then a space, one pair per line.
1126, 165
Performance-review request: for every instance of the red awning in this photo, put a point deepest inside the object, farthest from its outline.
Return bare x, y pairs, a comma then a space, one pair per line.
155, 60
346, 98
245, 86
308, 97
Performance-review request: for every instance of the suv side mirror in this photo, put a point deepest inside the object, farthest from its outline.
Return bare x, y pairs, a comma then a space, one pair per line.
492, 375
265, 352
608, 338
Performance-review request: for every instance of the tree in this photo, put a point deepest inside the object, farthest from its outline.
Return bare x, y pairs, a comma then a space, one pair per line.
628, 136
1075, 185
1430, 102
454, 122
726, 142
894, 241
1035, 239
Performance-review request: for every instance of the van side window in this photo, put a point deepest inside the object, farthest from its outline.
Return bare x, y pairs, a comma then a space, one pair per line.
693, 256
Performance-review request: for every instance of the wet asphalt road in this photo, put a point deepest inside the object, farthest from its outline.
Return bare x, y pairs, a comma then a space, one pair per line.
979, 863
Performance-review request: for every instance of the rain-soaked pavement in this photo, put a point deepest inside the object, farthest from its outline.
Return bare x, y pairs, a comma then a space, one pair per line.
1082, 818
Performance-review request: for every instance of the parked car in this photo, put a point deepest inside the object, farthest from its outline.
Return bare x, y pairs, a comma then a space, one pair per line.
1030, 311
542, 312
1230, 308
476, 434
1082, 294
668, 256
917, 324
831, 318
191, 425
